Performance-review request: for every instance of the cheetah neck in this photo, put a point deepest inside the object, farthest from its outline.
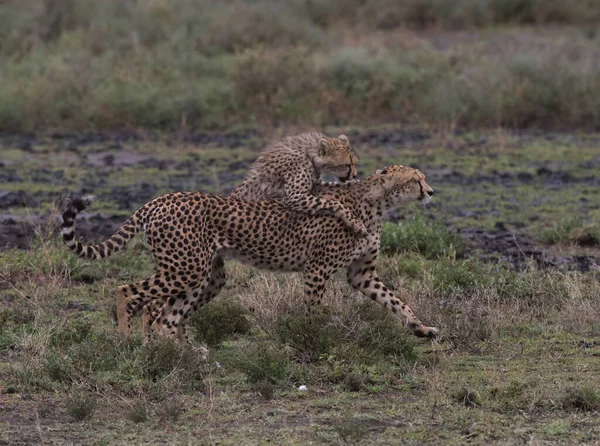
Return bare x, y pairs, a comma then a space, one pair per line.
360, 198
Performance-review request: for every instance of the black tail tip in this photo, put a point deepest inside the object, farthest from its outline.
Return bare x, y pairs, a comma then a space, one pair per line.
79, 203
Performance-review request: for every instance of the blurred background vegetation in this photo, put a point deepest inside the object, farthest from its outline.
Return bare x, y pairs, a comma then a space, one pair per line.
79, 65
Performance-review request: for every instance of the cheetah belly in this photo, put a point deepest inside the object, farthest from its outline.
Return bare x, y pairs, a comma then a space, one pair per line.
289, 261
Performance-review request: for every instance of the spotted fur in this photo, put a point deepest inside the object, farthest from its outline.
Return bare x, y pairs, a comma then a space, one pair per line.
191, 233
288, 170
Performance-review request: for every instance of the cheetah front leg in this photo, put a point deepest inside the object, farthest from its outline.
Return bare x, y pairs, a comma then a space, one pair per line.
315, 279
363, 277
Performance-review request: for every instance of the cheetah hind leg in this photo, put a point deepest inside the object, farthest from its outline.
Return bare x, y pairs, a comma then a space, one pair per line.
217, 281
154, 323
132, 298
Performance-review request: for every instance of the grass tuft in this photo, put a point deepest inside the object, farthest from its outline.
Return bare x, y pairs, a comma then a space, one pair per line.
354, 382
261, 362
571, 231
469, 398
363, 333
432, 240
166, 358
582, 399
219, 320
81, 407
139, 411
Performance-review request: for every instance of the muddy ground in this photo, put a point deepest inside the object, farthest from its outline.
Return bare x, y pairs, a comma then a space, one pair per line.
488, 187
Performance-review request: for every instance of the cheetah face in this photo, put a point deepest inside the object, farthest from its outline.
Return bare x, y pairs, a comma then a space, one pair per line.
404, 184
336, 157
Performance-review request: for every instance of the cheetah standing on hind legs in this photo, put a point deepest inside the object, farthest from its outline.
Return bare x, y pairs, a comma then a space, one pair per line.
190, 233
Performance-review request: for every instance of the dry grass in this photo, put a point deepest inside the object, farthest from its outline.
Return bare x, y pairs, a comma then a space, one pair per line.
500, 353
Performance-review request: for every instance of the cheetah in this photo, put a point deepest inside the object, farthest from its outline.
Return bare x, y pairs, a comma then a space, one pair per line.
288, 170
191, 233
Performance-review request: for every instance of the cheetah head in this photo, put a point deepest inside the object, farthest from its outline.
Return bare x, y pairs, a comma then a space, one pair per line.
399, 184
336, 157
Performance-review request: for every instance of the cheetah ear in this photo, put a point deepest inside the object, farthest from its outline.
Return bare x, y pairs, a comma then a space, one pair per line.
323, 146
381, 171
344, 139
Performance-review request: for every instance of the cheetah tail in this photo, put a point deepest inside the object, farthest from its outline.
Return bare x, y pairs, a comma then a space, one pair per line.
115, 242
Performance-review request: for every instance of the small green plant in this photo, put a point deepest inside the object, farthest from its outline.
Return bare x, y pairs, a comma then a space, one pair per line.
378, 333
5, 314
58, 367
84, 357
44, 408
470, 398
462, 276
363, 332
81, 406
219, 320
571, 231
350, 431
584, 398
310, 336
139, 411
354, 382
430, 239
74, 331
265, 389
261, 362
512, 396
166, 357
171, 409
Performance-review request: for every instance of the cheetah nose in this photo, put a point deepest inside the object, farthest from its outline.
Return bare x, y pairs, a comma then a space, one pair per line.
430, 192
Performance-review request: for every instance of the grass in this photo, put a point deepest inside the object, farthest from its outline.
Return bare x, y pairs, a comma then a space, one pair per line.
571, 231
430, 239
219, 320
213, 66
518, 350
81, 407
498, 365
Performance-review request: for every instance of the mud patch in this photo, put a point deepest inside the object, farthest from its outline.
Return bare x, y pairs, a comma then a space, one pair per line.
501, 244
17, 199
473, 195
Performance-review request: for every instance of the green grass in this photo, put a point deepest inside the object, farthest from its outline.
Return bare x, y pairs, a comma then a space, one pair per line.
571, 231
219, 320
497, 366
430, 239
214, 66
515, 360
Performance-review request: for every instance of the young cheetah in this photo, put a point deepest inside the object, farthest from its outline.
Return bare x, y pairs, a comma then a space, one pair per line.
191, 233
288, 170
